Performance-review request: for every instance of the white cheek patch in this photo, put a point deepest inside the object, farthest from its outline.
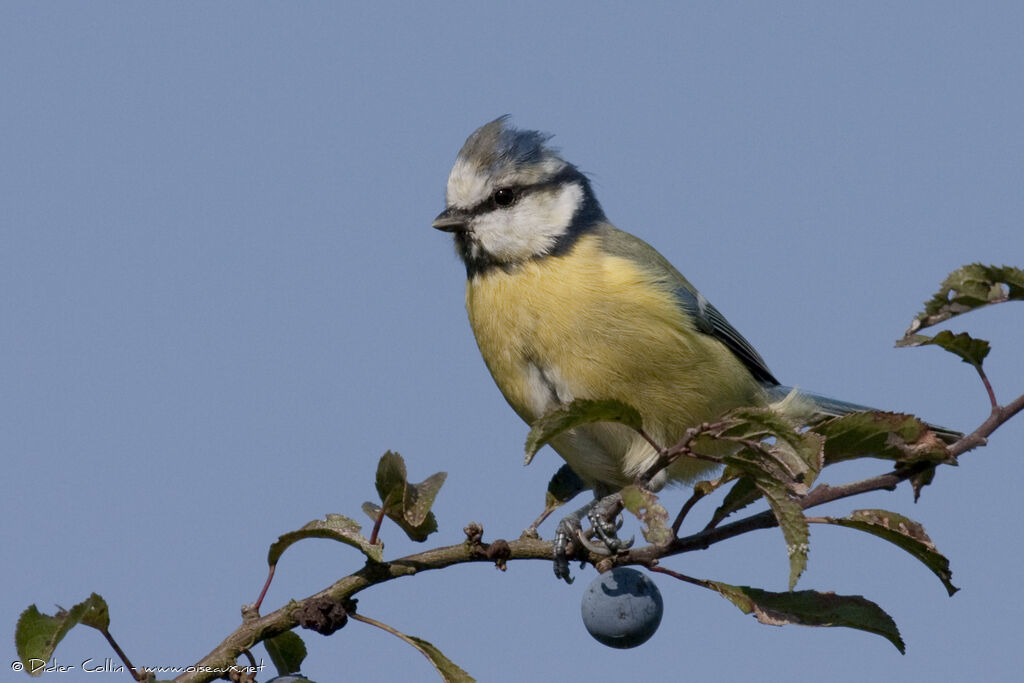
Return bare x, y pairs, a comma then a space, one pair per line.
530, 227
467, 187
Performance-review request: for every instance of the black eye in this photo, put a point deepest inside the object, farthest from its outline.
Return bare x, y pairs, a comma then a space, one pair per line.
504, 196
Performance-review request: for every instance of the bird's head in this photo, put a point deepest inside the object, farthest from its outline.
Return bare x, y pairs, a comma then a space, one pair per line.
512, 198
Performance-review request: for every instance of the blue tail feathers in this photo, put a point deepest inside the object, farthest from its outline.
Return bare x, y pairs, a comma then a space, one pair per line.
830, 407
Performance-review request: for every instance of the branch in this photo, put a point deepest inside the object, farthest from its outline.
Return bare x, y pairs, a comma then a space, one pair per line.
819, 495
698, 493
996, 418
988, 386
255, 629
120, 653
667, 456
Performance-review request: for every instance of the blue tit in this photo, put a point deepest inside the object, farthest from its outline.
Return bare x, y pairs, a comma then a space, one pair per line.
566, 306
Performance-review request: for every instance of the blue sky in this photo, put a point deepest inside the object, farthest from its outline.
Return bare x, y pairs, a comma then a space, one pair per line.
221, 300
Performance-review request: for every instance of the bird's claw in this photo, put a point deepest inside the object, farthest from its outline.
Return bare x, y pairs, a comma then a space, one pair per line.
606, 518
627, 544
605, 521
568, 530
603, 548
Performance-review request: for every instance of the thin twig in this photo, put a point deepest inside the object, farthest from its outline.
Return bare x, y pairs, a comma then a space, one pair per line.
667, 456
649, 439
266, 585
392, 631
120, 653
532, 529
698, 493
677, 575
376, 524
988, 387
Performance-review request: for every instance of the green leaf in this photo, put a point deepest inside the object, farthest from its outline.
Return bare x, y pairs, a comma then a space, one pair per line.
577, 413
96, 614
791, 519
903, 532
416, 532
773, 446
878, 434
781, 463
648, 510
391, 479
563, 487
967, 289
811, 608
743, 493
406, 504
448, 670
334, 527
286, 651
36, 636
419, 498
971, 351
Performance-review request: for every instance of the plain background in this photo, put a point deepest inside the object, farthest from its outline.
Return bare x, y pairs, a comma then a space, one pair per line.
221, 300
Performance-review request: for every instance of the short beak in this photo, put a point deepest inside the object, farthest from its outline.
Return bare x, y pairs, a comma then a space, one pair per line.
450, 221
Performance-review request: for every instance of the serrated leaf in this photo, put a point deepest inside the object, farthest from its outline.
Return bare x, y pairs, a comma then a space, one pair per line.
812, 608
967, 289
96, 614
406, 504
878, 434
783, 453
416, 532
448, 670
577, 413
563, 487
648, 510
970, 350
742, 494
793, 523
782, 463
391, 479
335, 527
37, 635
903, 532
287, 651
419, 498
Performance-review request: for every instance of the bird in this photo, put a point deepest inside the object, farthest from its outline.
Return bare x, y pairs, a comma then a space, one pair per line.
564, 306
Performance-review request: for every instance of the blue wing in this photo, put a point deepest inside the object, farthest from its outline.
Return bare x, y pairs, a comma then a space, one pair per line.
710, 321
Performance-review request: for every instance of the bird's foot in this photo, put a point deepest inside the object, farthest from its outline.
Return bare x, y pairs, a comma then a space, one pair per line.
605, 520
566, 534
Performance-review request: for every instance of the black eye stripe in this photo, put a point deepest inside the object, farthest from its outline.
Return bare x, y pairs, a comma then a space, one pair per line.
520, 191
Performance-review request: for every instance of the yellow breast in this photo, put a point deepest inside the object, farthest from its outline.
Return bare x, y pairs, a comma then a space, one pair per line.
592, 325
